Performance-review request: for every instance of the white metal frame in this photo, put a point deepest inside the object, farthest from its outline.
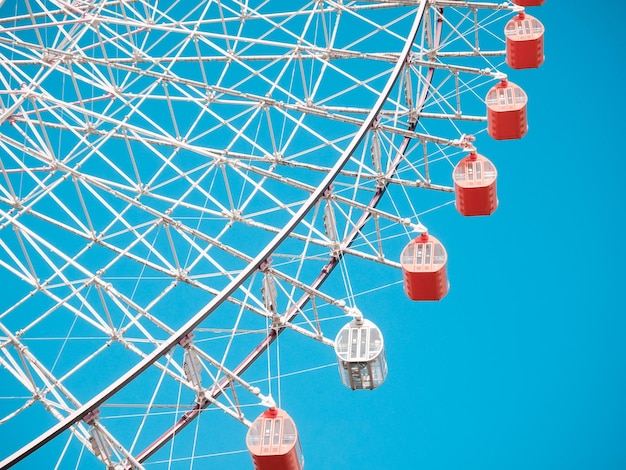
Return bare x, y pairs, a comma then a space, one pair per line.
55, 144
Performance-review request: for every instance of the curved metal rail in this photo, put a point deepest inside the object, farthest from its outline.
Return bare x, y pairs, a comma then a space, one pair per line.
326, 270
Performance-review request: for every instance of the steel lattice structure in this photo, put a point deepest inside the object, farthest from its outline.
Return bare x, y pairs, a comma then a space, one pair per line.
179, 180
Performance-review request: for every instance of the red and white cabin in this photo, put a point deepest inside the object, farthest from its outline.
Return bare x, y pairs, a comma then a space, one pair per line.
475, 185
529, 3
524, 42
273, 442
423, 263
506, 111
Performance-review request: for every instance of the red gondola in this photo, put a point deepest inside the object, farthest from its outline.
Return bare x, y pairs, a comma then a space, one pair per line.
423, 263
273, 442
506, 111
529, 3
524, 42
475, 185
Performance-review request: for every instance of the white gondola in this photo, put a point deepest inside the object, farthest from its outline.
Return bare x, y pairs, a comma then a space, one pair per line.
361, 355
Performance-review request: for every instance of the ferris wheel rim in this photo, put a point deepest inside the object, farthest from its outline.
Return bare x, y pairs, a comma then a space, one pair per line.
324, 274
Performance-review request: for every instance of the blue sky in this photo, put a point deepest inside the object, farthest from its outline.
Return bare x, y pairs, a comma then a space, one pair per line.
523, 364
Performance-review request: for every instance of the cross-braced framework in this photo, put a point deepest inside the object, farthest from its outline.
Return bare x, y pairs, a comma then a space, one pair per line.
179, 179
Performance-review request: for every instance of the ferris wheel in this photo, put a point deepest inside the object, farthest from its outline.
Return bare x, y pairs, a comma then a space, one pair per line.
182, 183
